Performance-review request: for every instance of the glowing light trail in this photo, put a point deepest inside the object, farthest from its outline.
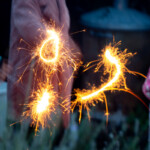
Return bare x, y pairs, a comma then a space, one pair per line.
46, 49
114, 62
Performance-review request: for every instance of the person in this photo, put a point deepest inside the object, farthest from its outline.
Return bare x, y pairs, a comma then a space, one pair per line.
28, 20
146, 86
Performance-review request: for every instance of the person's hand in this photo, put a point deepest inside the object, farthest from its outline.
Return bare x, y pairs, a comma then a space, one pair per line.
146, 86
4, 71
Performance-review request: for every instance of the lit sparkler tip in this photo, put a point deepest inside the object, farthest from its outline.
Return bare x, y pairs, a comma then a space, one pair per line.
43, 103
107, 114
42, 106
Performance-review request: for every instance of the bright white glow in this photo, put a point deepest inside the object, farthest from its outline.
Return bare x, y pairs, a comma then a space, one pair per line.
43, 103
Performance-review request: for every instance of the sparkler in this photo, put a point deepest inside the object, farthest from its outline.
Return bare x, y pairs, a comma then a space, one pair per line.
43, 104
114, 62
52, 53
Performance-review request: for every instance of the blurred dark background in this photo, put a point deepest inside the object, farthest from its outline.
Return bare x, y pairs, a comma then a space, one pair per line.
127, 128
5, 10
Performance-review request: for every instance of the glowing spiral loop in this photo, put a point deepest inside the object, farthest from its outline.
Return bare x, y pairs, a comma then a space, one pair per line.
46, 49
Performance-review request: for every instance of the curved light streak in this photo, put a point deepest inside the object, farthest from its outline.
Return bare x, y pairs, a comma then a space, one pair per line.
54, 38
114, 61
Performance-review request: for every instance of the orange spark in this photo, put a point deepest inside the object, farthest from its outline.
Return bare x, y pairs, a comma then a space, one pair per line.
51, 54
54, 52
40, 109
114, 62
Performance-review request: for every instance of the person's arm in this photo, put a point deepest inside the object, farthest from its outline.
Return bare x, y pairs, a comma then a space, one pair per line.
28, 20
64, 15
